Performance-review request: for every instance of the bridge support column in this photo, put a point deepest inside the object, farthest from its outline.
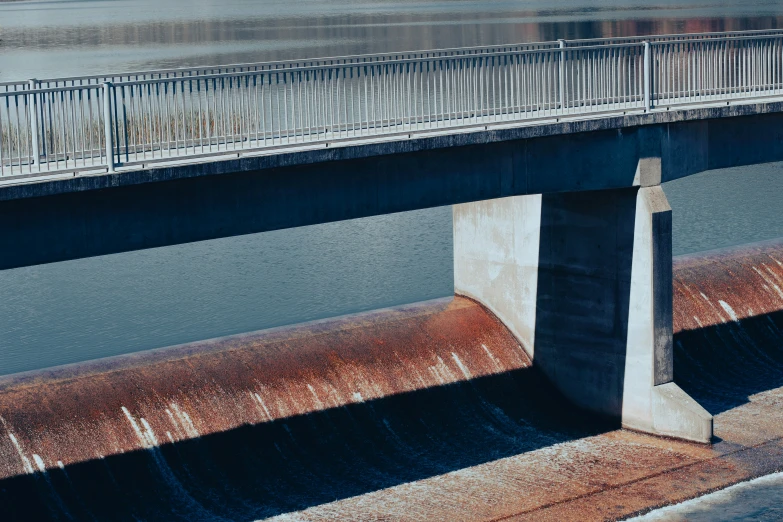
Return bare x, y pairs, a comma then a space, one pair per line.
584, 281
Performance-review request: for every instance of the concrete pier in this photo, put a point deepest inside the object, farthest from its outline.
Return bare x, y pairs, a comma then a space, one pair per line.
584, 281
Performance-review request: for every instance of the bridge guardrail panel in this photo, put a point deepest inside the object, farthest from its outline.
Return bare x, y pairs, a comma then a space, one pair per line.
162, 115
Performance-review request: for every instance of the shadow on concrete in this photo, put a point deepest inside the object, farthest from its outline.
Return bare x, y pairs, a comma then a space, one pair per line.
583, 295
721, 366
85, 216
263, 470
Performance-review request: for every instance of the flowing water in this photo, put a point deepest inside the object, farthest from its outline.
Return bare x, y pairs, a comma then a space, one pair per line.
759, 500
80, 310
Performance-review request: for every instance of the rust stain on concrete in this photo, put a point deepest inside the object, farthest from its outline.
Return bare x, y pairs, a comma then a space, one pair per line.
426, 412
195, 390
728, 285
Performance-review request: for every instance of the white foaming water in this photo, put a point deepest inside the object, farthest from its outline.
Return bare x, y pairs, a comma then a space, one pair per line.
260, 401
40, 463
145, 441
25, 461
187, 423
729, 310
462, 367
759, 500
150, 442
768, 280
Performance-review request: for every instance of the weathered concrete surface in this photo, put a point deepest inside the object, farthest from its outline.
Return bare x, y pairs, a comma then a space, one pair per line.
55, 220
496, 250
584, 280
211, 387
728, 123
652, 402
427, 412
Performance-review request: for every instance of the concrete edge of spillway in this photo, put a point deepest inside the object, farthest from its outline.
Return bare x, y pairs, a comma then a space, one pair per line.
727, 285
53, 418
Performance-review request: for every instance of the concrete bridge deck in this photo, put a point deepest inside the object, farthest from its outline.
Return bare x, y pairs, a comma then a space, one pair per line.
68, 217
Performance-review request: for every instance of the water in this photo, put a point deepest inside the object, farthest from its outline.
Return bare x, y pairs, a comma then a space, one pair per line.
69, 37
74, 311
727, 207
759, 500
79, 310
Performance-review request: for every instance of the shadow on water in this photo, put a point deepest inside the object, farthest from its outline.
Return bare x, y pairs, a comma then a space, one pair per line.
263, 470
721, 366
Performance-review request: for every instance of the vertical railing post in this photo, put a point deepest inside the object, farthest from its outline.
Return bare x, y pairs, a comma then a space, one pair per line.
647, 77
107, 89
35, 153
562, 74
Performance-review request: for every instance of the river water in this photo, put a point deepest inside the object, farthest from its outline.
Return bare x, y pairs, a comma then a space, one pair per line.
69, 37
79, 310
759, 500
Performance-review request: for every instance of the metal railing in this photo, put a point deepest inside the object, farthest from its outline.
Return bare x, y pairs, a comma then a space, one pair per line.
127, 123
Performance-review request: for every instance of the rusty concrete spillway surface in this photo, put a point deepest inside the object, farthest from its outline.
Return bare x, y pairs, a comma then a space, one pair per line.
426, 412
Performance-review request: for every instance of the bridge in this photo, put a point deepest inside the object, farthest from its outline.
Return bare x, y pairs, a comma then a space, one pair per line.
551, 153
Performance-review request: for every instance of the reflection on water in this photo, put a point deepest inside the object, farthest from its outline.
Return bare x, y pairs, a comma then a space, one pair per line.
90, 308
70, 37
103, 306
727, 207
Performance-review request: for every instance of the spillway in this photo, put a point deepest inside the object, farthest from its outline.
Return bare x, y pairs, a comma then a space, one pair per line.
728, 324
257, 425
424, 412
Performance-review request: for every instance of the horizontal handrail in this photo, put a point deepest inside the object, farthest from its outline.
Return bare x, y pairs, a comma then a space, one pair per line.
406, 61
718, 40
674, 37
103, 126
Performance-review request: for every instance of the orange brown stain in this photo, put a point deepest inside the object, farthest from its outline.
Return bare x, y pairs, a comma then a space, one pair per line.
74, 414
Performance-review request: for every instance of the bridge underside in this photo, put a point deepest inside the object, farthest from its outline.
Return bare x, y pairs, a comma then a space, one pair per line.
83, 216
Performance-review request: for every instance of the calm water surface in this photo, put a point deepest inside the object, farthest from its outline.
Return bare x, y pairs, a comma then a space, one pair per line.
79, 310
759, 500
70, 37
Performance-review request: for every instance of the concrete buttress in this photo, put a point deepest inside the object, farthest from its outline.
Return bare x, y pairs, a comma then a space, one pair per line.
584, 281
